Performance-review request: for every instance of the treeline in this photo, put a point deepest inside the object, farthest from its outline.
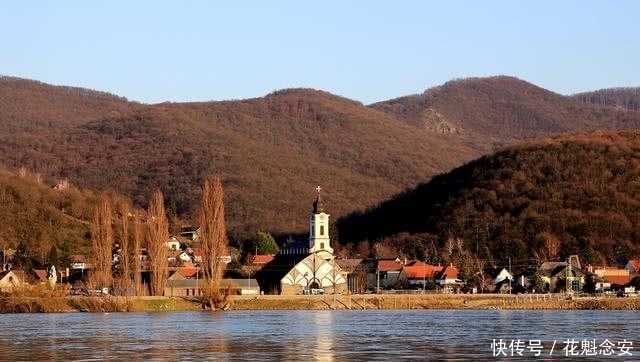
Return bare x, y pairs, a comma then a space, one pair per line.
542, 200
627, 99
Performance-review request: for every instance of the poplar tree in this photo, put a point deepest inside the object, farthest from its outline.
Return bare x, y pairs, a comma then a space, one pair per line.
125, 245
137, 247
102, 243
213, 239
157, 236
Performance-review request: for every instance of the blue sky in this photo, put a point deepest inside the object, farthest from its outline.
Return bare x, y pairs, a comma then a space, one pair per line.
154, 51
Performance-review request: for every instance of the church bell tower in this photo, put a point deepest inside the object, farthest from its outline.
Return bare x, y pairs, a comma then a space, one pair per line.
319, 240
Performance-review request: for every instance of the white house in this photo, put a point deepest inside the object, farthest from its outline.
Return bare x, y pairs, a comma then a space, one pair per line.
173, 244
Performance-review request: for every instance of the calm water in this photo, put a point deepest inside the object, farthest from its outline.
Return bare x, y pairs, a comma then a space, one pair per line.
318, 335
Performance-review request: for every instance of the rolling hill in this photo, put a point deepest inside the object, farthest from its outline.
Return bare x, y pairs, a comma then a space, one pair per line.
503, 110
272, 151
544, 199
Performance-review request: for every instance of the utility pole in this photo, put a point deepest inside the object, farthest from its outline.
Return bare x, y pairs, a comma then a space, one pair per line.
567, 284
424, 277
510, 275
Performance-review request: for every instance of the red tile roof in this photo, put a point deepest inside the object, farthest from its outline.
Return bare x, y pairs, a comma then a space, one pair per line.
635, 264
420, 270
42, 274
617, 279
188, 272
450, 272
262, 259
389, 265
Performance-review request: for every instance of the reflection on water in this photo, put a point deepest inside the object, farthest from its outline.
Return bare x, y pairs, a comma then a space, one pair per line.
303, 335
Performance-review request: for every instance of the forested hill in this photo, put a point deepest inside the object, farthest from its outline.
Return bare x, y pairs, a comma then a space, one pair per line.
547, 198
626, 99
272, 152
503, 109
27, 105
42, 224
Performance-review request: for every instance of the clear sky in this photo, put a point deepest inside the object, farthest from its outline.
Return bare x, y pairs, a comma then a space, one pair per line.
154, 51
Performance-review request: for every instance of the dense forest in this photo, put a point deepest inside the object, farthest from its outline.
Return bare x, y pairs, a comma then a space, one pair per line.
539, 200
503, 110
271, 152
40, 224
627, 99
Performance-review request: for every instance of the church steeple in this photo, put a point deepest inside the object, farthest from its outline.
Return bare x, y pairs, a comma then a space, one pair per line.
318, 205
319, 240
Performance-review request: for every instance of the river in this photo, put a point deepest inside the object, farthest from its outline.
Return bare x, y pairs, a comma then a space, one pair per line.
422, 335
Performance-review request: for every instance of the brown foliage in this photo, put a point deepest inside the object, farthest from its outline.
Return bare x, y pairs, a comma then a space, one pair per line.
157, 236
213, 239
127, 253
102, 243
572, 194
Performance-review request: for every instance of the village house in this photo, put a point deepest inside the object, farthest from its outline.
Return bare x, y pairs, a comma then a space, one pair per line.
498, 280
356, 274
10, 280
419, 275
173, 243
256, 263
305, 267
388, 273
609, 277
562, 276
447, 280
633, 266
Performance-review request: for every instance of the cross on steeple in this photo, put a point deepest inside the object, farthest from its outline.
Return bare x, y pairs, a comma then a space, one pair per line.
318, 189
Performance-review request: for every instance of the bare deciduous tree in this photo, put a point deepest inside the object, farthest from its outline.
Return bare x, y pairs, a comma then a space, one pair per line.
102, 243
137, 247
213, 239
124, 209
158, 235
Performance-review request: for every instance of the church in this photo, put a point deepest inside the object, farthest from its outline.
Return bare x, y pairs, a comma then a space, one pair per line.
305, 267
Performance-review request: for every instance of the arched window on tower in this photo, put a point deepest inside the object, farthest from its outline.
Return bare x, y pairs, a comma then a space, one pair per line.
321, 230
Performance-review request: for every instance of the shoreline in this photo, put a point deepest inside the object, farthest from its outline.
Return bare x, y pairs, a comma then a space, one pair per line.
40, 304
431, 301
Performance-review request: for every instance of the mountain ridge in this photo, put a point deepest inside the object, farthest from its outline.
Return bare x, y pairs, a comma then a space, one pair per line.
272, 151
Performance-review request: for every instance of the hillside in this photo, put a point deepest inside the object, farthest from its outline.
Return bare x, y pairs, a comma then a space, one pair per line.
626, 99
36, 219
502, 109
271, 152
543, 199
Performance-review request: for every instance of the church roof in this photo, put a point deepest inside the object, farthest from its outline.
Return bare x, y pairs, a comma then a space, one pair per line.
277, 268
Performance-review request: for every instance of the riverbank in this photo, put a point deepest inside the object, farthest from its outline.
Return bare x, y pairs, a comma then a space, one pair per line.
15, 304
430, 301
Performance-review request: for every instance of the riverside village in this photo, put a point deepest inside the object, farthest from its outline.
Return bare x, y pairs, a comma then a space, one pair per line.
309, 267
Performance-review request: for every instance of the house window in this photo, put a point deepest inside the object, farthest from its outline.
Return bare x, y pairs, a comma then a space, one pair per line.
321, 230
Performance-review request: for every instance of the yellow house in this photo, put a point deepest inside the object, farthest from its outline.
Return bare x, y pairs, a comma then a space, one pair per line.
9, 281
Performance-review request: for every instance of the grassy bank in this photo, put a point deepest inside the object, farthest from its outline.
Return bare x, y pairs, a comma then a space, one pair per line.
430, 301
56, 304
61, 304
